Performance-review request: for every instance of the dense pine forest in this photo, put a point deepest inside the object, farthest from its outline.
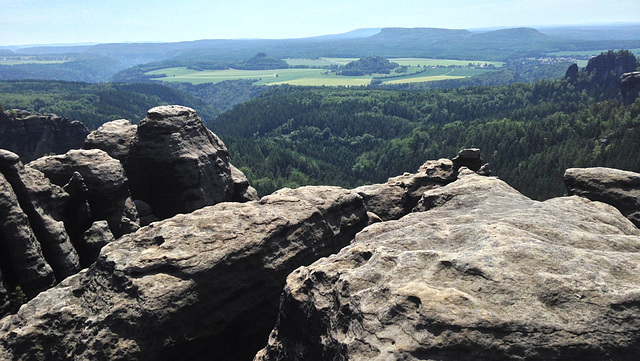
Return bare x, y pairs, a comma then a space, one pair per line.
529, 132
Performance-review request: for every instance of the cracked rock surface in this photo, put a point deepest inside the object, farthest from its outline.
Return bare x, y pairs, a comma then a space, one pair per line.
484, 273
200, 286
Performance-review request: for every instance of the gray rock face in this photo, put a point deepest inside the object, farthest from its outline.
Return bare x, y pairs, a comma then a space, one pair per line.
630, 87
22, 262
31, 135
469, 158
176, 164
173, 162
107, 185
198, 286
487, 274
399, 195
114, 137
618, 188
242, 191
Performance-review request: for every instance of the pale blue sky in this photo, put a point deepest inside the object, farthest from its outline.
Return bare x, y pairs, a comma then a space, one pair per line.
76, 21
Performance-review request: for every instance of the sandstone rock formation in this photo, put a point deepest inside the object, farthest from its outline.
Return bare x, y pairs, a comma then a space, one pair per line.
487, 274
399, 195
199, 286
114, 137
630, 87
106, 182
618, 188
23, 263
174, 163
469, 158
32, 135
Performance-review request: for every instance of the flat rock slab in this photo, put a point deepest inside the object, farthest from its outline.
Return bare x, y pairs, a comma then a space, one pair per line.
487, 274
191, 287
617, 187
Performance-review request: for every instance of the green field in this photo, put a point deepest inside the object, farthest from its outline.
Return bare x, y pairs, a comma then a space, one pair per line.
419, 70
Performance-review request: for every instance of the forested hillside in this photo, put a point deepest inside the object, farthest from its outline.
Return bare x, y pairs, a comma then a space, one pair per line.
75, 67
95, 104
530, 133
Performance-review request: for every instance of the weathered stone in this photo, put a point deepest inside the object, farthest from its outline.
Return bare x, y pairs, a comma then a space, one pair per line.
630, 87
43, 203
78, 215
193, 287
145, 213
114, 137
399, 195
107, 185
5, 303
469, 158
21, 258
242, 191
32, 136
176, 164
618, 188
96, 237
486, 275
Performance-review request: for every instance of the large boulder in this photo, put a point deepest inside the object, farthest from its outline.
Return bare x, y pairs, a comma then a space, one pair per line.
487, 274
106, 182
32, 135
114, 137
616, 187
200, 286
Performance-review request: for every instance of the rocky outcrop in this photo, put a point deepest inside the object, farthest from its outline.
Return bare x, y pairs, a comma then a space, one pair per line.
630, 87
32, 135
487, 274
174, 163
618, 188
612, 64
197, 286
22, 262
107, 186
242, 191
399, 195
43, 203
114, 137
470, 158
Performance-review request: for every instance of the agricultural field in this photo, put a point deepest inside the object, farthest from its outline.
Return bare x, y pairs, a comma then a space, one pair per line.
315, 72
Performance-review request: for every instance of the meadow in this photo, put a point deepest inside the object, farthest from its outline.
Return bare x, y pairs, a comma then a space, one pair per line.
315, 72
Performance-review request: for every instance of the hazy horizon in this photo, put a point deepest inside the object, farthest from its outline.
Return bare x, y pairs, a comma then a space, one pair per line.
31, 22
